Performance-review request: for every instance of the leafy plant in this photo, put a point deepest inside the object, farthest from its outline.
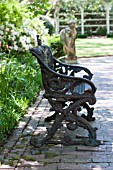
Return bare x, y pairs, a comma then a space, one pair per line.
12, 11
101, 31
20, 78
39, 7
56, 46
48, 24
81, 36
18, 28
19, 85
109, 35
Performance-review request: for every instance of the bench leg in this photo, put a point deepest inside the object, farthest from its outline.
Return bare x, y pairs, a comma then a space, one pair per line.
75, 120
52, 117
89, 116
70, 115
51, 132
81, 122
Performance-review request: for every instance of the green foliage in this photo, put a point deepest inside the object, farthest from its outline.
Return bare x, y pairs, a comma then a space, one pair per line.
12, 11
89, 31
72, 6
50, 155
48, 24
39, 7
108, 1
19, 83
101, 31
56, 46
18, 29
20, 77
109, 35
81, 36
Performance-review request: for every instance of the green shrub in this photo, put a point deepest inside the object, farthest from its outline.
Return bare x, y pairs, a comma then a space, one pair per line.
20, 77
53, 39
81, 36
56, 46
20, 82
48, 24
57, 49
109, 35
89, 32
101, 31
12, 11
18, 28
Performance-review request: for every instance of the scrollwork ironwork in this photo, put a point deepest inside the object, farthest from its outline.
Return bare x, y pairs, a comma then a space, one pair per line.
61, 86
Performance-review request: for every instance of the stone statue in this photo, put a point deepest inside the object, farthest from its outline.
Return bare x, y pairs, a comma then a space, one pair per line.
67, 37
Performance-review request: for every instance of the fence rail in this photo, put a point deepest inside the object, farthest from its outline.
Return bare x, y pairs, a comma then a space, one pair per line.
93, 21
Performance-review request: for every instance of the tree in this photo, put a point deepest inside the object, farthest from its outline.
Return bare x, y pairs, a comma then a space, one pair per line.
37, 6
73, 6
56, 5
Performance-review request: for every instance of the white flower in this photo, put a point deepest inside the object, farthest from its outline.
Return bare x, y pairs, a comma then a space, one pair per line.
22, 39
33, 34
28, 40
13, 32
30, 45
26, 30
10, 47
15, 42
9, 36
46, 31
15, 47
16, 33
13, 38
2, 27
1, 32
7, 29
26, 47
23, 44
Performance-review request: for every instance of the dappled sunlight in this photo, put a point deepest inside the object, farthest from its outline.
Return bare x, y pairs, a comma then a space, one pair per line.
95, 158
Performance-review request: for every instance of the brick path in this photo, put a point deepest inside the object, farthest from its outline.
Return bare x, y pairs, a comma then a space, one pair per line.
19, 155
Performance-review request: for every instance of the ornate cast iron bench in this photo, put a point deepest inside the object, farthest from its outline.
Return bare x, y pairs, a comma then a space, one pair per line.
67, 94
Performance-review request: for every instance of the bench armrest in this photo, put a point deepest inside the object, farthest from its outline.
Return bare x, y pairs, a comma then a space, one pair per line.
64, 85
71, 70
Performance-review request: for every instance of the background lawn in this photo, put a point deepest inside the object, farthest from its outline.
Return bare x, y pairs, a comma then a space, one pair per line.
94, 47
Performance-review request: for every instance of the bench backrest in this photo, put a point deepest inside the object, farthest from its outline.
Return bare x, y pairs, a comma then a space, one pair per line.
47, 56
42, 52
45, 53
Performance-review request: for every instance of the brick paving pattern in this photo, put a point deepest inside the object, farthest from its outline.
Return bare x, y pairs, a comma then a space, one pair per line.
18, 154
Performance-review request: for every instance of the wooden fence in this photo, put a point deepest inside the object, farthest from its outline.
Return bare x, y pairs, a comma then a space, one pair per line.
92, 23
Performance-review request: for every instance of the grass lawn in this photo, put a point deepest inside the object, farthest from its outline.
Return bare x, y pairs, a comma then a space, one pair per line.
94, 47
